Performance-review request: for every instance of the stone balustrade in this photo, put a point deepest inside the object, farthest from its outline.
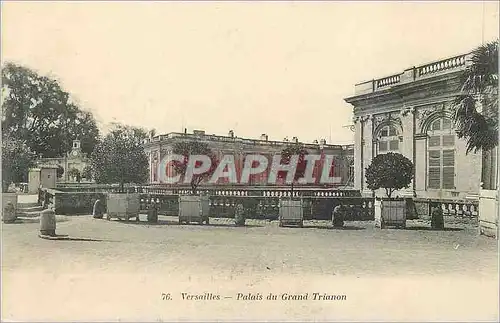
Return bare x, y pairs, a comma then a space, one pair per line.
443, 65
448, 65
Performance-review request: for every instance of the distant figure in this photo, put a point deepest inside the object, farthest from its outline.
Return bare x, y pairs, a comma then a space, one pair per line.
153, 212
97, 212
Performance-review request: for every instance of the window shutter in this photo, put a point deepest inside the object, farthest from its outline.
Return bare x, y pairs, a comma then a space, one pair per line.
434, 177
448, 177
448, 158
382, 145
434, 158
394, 145
448, 140
434, 141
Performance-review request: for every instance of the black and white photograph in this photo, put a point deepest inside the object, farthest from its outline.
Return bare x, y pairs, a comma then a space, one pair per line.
250, 161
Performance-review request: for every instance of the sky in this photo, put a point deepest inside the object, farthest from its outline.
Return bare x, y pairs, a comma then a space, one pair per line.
280, 68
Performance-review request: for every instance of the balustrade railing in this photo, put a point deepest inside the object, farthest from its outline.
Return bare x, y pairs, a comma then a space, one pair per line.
452, 208
387, 81
442, 65
259, 207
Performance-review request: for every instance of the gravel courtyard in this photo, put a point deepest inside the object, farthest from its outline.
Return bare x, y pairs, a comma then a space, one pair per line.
114, 270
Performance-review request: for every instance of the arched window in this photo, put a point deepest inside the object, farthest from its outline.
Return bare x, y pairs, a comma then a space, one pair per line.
388, 139
441, 154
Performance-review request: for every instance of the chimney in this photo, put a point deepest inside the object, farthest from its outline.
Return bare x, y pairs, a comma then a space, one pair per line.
264, 137
231, 133
295, 140
185, 130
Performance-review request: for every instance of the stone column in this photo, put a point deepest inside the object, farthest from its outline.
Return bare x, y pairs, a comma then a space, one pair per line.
358, 153
407, 116
367, 150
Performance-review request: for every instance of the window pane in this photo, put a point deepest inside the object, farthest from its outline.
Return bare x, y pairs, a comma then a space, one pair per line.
434, 177
448, 140
434, 141
383, 132
436, 125
392, 131
446, 124
434, 158
394, 145
382, 146
448, 177
448, 158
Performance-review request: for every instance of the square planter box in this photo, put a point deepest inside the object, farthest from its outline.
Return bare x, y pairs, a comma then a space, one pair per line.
6, 199
123, 206
291, 212
488, 213
194, 208
390, 212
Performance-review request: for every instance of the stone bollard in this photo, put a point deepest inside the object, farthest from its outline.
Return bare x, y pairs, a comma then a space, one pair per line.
97, 211
48, 222
338, 216
153, 213
239, 215
9, 213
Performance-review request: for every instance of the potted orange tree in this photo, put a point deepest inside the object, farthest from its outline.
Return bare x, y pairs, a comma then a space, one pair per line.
291, 208
391, 172
194, 207
120, 158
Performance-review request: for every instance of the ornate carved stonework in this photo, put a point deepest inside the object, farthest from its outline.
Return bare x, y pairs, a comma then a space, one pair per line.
405, 110
392, 117
424, 112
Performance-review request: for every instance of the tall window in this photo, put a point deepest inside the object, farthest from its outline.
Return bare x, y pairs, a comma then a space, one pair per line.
441, 154
388, 139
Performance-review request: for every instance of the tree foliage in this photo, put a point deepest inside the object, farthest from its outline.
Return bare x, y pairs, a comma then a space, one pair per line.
120, 157
391, 171
286, 156
38, 111
187, 149
476, 108
17, 159
87, 173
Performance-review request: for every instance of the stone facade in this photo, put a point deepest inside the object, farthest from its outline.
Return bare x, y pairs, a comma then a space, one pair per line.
158, 147
75, 159
409, 113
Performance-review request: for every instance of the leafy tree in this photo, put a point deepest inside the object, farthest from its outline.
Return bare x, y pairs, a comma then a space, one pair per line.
74, 173
120, 157
193, 147
286, 156
87, 173
38, 111
17, 159
391, 171
476, 109
60, 171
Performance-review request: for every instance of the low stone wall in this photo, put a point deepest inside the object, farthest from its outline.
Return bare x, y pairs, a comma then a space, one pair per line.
77, 203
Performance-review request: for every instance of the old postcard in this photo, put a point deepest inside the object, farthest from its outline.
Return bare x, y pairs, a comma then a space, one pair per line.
250, 161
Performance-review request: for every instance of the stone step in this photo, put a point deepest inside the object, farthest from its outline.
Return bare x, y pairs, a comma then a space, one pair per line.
29, 208
29, 214
26, 205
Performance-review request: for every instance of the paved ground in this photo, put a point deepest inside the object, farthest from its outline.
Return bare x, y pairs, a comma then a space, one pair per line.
115, 270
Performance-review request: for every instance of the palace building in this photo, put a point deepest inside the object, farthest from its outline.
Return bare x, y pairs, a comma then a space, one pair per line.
409, 113
159, 146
